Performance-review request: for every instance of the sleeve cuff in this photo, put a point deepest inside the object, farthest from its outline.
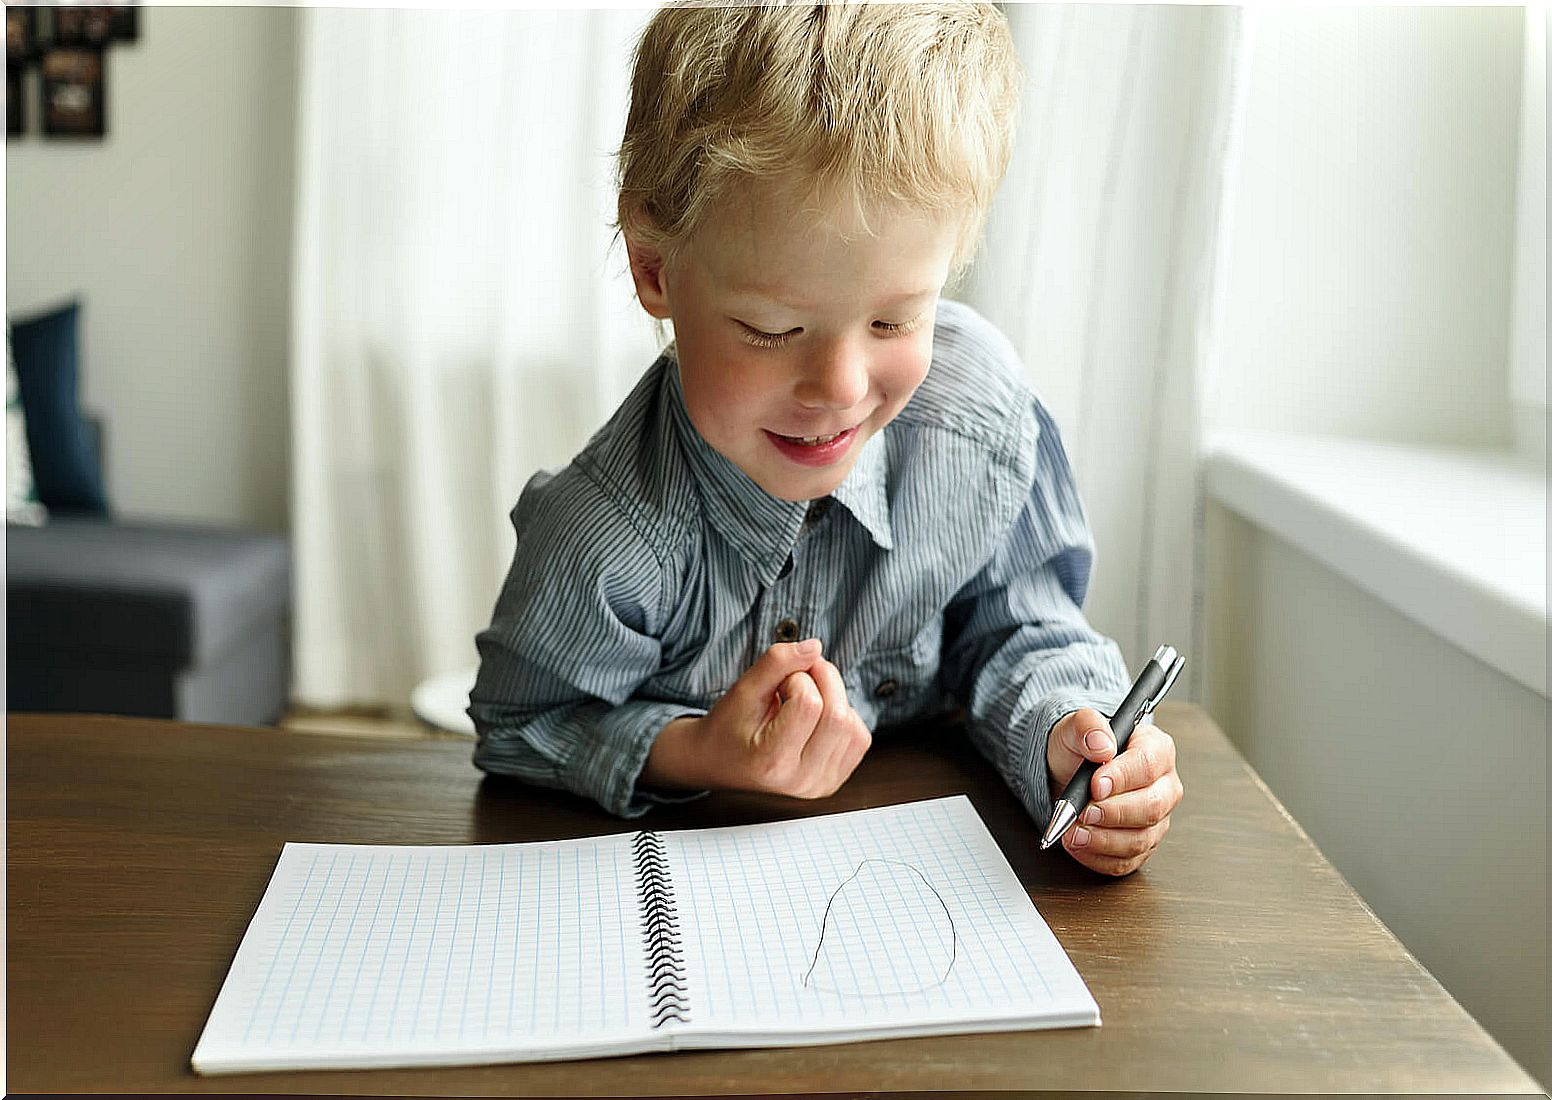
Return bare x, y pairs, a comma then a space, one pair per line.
608, 765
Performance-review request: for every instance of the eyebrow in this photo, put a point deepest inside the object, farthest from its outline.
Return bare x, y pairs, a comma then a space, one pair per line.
769, 296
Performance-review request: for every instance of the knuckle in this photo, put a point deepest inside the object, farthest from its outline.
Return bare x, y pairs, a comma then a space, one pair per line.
1158, 807
816, 787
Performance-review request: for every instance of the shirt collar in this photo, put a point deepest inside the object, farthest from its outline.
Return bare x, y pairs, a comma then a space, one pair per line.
865, 492
759, 526
764, 528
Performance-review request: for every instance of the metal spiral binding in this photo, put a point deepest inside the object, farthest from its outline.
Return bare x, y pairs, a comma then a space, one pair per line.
666, 986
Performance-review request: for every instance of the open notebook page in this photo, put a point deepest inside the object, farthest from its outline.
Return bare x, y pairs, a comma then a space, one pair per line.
363, 955
901, 919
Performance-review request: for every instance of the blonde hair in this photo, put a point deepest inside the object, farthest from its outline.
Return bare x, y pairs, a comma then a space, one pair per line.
911, 104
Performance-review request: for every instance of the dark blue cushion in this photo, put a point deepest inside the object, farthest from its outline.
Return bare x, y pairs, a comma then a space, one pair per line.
65, 465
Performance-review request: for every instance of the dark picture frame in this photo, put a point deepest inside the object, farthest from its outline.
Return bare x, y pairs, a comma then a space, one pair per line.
126, 23
74, 92
15, 106
83, 26
21, 35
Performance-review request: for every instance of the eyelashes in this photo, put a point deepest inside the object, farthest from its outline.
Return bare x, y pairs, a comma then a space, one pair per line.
762, 339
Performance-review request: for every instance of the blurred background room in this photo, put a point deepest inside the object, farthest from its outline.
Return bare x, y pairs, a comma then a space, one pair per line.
299, 298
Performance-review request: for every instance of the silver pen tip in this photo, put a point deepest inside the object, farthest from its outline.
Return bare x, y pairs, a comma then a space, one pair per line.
1062, 818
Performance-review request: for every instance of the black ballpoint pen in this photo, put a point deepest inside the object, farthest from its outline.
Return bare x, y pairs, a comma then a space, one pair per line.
1154, 680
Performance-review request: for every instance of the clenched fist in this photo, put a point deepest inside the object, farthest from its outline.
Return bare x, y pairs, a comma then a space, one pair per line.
785, 727
1131, 795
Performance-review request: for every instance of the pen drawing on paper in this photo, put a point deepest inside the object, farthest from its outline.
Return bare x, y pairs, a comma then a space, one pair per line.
854, 934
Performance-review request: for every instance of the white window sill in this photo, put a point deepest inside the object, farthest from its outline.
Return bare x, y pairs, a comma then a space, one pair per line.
1452, 537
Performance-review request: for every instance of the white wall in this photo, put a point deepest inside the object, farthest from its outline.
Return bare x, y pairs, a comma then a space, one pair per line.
1369, 273
1370, 282
1529, 353
175, 230
1419, 771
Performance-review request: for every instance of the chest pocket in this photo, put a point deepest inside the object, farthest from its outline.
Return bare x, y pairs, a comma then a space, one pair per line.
898, 685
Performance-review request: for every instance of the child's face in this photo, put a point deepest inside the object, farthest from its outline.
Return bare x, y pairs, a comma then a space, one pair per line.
795, 343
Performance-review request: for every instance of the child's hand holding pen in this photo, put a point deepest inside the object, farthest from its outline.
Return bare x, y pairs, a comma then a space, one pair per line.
785, 727
1132, 794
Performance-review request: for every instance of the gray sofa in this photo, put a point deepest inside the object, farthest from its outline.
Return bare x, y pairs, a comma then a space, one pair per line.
155, 619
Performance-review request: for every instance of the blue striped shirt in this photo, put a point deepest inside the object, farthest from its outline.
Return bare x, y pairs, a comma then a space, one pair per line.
948, 570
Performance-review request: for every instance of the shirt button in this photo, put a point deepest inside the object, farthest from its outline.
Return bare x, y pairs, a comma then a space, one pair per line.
787, 631
885, 689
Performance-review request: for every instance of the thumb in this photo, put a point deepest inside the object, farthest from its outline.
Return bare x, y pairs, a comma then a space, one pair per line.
1082, 735
757, 687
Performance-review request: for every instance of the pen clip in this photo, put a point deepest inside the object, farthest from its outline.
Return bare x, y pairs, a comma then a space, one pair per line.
1169, 680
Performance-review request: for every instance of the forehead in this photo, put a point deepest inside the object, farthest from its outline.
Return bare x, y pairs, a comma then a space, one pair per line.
767, 240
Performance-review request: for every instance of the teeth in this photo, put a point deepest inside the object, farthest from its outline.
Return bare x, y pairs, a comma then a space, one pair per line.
815, 440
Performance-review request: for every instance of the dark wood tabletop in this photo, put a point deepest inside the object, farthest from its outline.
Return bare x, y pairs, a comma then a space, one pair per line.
1237, 960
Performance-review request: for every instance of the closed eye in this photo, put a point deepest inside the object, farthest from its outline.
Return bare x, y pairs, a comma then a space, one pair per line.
762, 339
901, 328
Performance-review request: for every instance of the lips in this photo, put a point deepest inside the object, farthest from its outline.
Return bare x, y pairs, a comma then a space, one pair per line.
813, 440
813, 450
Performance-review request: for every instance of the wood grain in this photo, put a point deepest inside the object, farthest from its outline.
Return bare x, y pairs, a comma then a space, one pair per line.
1238, 960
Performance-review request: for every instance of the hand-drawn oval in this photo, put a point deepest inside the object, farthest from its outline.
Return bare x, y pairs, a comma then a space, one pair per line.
886, 930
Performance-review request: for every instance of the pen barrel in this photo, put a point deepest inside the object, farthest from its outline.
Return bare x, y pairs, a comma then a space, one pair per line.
1122, 723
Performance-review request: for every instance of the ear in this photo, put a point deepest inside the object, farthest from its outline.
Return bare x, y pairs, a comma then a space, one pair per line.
646, 266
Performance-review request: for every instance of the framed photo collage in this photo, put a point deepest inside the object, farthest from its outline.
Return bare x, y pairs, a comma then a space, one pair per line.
67, 46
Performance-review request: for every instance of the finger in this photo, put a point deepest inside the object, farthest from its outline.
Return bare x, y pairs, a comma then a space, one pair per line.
1149, 753
832, 733
1084, 734
1115, 866
786, 734
763, 678
1119, 844
857, 747
1136, 809
1089, 736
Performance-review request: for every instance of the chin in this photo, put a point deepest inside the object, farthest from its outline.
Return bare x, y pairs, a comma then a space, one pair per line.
799, 489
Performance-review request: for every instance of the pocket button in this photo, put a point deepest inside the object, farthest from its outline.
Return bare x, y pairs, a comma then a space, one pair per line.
885, 689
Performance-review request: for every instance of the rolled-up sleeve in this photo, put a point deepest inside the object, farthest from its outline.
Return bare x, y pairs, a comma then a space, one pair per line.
1018, 652
574, 634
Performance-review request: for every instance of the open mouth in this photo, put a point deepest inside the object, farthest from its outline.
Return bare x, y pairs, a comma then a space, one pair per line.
813, 450
812, 440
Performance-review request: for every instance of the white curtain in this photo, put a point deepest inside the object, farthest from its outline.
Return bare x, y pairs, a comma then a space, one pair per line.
1102, 264
461, 317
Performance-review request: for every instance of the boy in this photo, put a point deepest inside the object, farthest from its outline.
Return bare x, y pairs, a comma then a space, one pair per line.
832, 505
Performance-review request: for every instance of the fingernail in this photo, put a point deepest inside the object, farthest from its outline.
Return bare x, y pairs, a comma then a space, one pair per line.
1102, 786
1092, 815
1097, 741
1080, 837
808, 646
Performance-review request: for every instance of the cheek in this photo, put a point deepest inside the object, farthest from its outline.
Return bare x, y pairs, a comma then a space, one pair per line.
900, 371
722, 390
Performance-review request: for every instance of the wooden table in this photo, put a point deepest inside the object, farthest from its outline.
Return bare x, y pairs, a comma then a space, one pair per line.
1238, 960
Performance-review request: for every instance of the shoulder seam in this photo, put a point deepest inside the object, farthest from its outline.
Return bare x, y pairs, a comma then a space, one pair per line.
658, 539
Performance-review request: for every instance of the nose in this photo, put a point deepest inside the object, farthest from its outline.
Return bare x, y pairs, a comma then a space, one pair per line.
835, 376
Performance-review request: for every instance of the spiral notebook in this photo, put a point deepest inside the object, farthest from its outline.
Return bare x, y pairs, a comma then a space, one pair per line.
896, 921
